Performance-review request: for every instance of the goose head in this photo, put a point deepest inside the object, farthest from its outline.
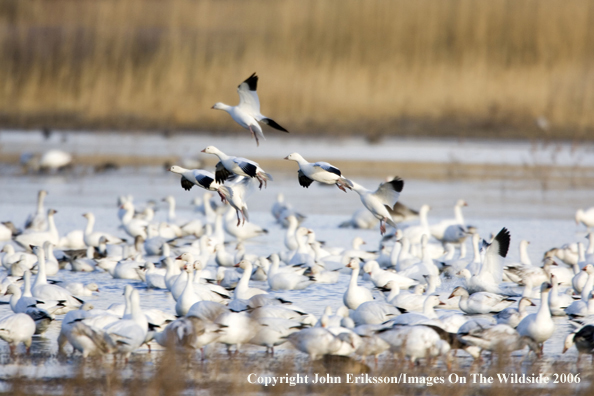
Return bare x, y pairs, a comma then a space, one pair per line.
354, 263
211, 150
187, 257
459, 291
294, 157
177, 169
219, 106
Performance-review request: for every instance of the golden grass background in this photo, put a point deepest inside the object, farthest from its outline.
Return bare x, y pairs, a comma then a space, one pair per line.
424, 67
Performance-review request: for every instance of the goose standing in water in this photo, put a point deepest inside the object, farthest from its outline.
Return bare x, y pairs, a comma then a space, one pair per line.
321, 172
355, 295
16, 329
247, 112
239, 166
583, 338
93, 238
539, 326
38, 221
37, 238
378, 201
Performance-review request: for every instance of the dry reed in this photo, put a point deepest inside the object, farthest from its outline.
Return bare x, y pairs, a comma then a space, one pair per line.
451, 67
171, 374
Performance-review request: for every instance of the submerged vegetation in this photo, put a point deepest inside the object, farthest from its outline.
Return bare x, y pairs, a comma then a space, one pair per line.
449, 68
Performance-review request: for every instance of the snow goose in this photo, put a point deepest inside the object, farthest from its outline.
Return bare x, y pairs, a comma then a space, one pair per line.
303, 255
44, 291
415, 342
511, 316
452, 230
189, 332
371, 344
236, 194
246, 231
415, 233
378, 201
374, 312
17, 328
537, 275
286, 279
243, 291
127, 268
558, 302
320, 275
26, 240
350, 340
582, 308
583, 338
355, 295
236, 329
92, 238
426, 267
380, 277
229, 165
321, 172
133, 226
274, 332
404, 300
247, 112
427, 317
290, 240
38, 220
198, 177
480, 302
32, 307
539, 326
586, 217
81, 289
129, 334
315, 341
154, 277
357, 252
499, 338
188, 296
10, 257
490, 274
83, 264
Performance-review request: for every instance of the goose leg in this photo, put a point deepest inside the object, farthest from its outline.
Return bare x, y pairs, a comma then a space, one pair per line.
238, 219
382, 227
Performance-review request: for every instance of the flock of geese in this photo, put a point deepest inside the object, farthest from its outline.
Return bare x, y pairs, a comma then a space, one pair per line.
389, 304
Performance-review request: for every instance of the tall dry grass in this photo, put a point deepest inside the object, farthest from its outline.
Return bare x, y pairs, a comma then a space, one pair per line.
381, 67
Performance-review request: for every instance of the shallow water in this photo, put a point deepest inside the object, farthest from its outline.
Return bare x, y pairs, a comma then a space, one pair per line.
544, 217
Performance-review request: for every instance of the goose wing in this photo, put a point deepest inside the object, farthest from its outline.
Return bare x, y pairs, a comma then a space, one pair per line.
248, 97
389, 192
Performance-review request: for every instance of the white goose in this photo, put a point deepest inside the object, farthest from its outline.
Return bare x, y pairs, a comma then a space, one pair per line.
498, 338
490, 274
379, 202
374, 312
287, 279
480, 302
558, 302
10, 257
130, 333
92, 238
380, 277
452, 230
38, 221
81, 289
236, 329
355, 295
539, 326
188, 297
239, 166
16, 329
586, 217
246, 231
198, 177
243, 291
321, 172
236, 194
316, 341
189, 332
511, 316
416, 342
26, 240
415, 233
133, 226
247, 112
32, 307
274, 332
44, 291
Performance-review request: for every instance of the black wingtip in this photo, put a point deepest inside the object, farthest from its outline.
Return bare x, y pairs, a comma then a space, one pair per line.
252, 82
503, 238
397, 184
274, 124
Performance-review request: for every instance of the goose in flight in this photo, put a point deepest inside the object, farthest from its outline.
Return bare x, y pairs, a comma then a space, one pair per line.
198, 177
322, 172
380, 201
247, 112
229, 165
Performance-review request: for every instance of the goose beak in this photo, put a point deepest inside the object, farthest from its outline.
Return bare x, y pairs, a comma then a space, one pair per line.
441, 303
236, 265
287, 157
564, 349
178, 258
203, 151
451, 296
